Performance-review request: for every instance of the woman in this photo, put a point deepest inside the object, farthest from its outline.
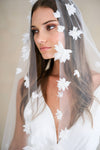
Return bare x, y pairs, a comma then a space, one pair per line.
58, 100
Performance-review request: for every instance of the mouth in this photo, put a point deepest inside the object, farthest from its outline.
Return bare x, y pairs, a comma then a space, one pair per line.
44, 48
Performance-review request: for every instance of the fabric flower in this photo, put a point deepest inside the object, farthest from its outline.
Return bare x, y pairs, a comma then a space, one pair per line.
75, 33
63, 84
60, 28
59, 114
57, 14
18, 70
76, 73
63, 132
62, 54
26, 83
25, 38
25, 52
60, 94
34, 95
27, 148
71, 9
27, 128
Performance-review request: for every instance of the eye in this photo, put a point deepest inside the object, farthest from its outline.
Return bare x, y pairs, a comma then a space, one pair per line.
50, 27
34, 31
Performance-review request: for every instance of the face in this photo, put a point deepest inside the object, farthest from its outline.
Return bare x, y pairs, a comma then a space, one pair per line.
44, 28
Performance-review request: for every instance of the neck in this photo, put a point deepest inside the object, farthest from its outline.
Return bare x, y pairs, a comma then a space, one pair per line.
55, 71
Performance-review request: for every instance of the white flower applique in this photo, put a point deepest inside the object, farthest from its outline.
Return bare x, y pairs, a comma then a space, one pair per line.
60, 28
25, 48
60, 94
25, 52
25, 38
18, 70
29, 17
63, 84
26, 83
71, 9
76, 73
59, 114
27, 128
34, 96
62, 54
62, 133
75, 33
27, 148
57, 14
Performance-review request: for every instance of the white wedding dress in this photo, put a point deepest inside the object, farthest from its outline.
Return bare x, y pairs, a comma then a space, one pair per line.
42, 131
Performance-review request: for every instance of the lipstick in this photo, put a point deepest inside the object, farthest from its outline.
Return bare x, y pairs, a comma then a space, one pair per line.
44, 48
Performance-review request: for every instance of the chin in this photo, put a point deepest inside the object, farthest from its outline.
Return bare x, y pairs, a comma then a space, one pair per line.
47, 57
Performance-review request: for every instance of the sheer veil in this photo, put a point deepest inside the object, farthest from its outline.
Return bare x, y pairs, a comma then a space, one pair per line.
74, 33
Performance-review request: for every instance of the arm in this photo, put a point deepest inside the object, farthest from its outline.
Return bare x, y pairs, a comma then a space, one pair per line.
19, 139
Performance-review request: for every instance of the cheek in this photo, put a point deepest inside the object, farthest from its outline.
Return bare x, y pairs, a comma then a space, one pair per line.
54, 38
35, 40
62, 38
59, 37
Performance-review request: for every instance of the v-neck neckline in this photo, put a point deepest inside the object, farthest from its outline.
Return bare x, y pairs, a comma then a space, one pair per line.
51, 114
57, 139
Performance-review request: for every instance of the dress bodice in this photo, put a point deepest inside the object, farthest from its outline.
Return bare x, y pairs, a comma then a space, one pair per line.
42, 131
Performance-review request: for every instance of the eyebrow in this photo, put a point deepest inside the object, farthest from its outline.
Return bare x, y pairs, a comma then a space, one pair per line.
45, 23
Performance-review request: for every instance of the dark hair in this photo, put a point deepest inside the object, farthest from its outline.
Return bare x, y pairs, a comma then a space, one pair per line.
81, 87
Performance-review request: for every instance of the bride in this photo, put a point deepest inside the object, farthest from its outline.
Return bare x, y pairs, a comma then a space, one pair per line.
58, 100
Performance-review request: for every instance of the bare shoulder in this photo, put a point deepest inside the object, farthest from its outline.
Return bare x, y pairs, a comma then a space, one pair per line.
19, 138
19, 96
20, 82
96, 79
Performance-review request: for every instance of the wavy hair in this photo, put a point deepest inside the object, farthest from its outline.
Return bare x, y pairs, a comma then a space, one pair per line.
81, 87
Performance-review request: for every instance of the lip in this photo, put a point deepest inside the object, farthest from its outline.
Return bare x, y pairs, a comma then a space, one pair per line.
44, 48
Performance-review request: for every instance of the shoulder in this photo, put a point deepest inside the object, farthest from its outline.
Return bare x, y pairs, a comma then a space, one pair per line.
96, 88
20, 82
96, 80
95, 109
19, 88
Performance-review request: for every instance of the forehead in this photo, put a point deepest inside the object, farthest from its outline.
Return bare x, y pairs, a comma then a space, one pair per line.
42, 15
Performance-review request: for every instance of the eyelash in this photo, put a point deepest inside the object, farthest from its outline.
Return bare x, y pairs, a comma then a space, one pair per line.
48, 27
34, 31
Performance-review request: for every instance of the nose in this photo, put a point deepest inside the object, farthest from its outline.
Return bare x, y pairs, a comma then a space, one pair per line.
41, 39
